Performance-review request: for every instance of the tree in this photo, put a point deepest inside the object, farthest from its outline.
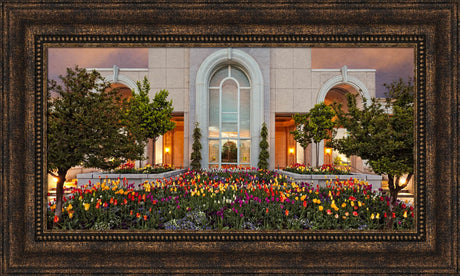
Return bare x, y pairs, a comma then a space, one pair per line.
314, 126
196, 147
263, 154
149, 119
382, 134
86, 127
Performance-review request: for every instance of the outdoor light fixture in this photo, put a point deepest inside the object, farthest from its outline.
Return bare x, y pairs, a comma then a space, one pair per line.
328, 150
167, 149
402, 181
291, 150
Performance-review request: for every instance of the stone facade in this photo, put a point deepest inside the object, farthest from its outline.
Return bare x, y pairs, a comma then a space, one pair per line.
283, 83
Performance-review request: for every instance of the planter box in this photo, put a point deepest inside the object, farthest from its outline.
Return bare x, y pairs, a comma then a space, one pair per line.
314, 179
130, 178
320, 179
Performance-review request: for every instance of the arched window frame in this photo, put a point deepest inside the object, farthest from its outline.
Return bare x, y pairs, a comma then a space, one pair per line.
239, 139
250, 66
343, 78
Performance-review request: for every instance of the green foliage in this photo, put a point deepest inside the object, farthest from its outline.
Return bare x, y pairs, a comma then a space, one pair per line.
229, 152
386, 139
196, 147
149, 119
314, 126
264, 155
382, 133
86, 124
202, 201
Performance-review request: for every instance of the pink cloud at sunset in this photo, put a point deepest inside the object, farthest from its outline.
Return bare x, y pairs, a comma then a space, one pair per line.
390, 63
62, 58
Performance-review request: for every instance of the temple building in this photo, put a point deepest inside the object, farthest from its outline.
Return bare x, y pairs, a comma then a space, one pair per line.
230, 92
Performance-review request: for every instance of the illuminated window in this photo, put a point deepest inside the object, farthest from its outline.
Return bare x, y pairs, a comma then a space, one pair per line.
229, 118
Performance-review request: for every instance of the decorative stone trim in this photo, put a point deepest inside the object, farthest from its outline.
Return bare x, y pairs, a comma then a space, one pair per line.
320, 179
251, 67
130, 178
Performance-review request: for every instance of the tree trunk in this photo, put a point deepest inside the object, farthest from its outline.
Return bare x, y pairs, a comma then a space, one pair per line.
395, 188
60, 193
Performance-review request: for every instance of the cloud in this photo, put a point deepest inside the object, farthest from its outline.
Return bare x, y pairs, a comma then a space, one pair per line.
61, 58
390, 63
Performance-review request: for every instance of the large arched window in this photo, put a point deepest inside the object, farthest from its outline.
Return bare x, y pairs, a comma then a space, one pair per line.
229, 131
243, 68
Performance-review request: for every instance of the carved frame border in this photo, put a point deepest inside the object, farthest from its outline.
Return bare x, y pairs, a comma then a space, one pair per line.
31, 27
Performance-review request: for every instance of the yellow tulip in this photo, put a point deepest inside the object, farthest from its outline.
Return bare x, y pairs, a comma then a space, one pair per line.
344, 205
378, 216
86, 206
320, 208
372, 216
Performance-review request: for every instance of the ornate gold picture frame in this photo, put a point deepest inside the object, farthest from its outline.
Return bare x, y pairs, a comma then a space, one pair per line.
29, 28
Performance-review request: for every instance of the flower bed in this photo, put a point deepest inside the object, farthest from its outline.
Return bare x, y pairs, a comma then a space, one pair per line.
324, 169
321, 176
128, 168
222, 200
131, 175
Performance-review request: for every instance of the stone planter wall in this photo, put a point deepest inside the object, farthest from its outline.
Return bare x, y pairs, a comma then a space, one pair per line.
320, 179
130, 178
314, 179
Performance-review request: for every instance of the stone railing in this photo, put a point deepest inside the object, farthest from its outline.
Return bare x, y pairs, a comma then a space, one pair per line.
136, 179
320, 179
130, 178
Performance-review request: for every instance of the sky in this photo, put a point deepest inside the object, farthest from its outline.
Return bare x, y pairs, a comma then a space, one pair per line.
390, 63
